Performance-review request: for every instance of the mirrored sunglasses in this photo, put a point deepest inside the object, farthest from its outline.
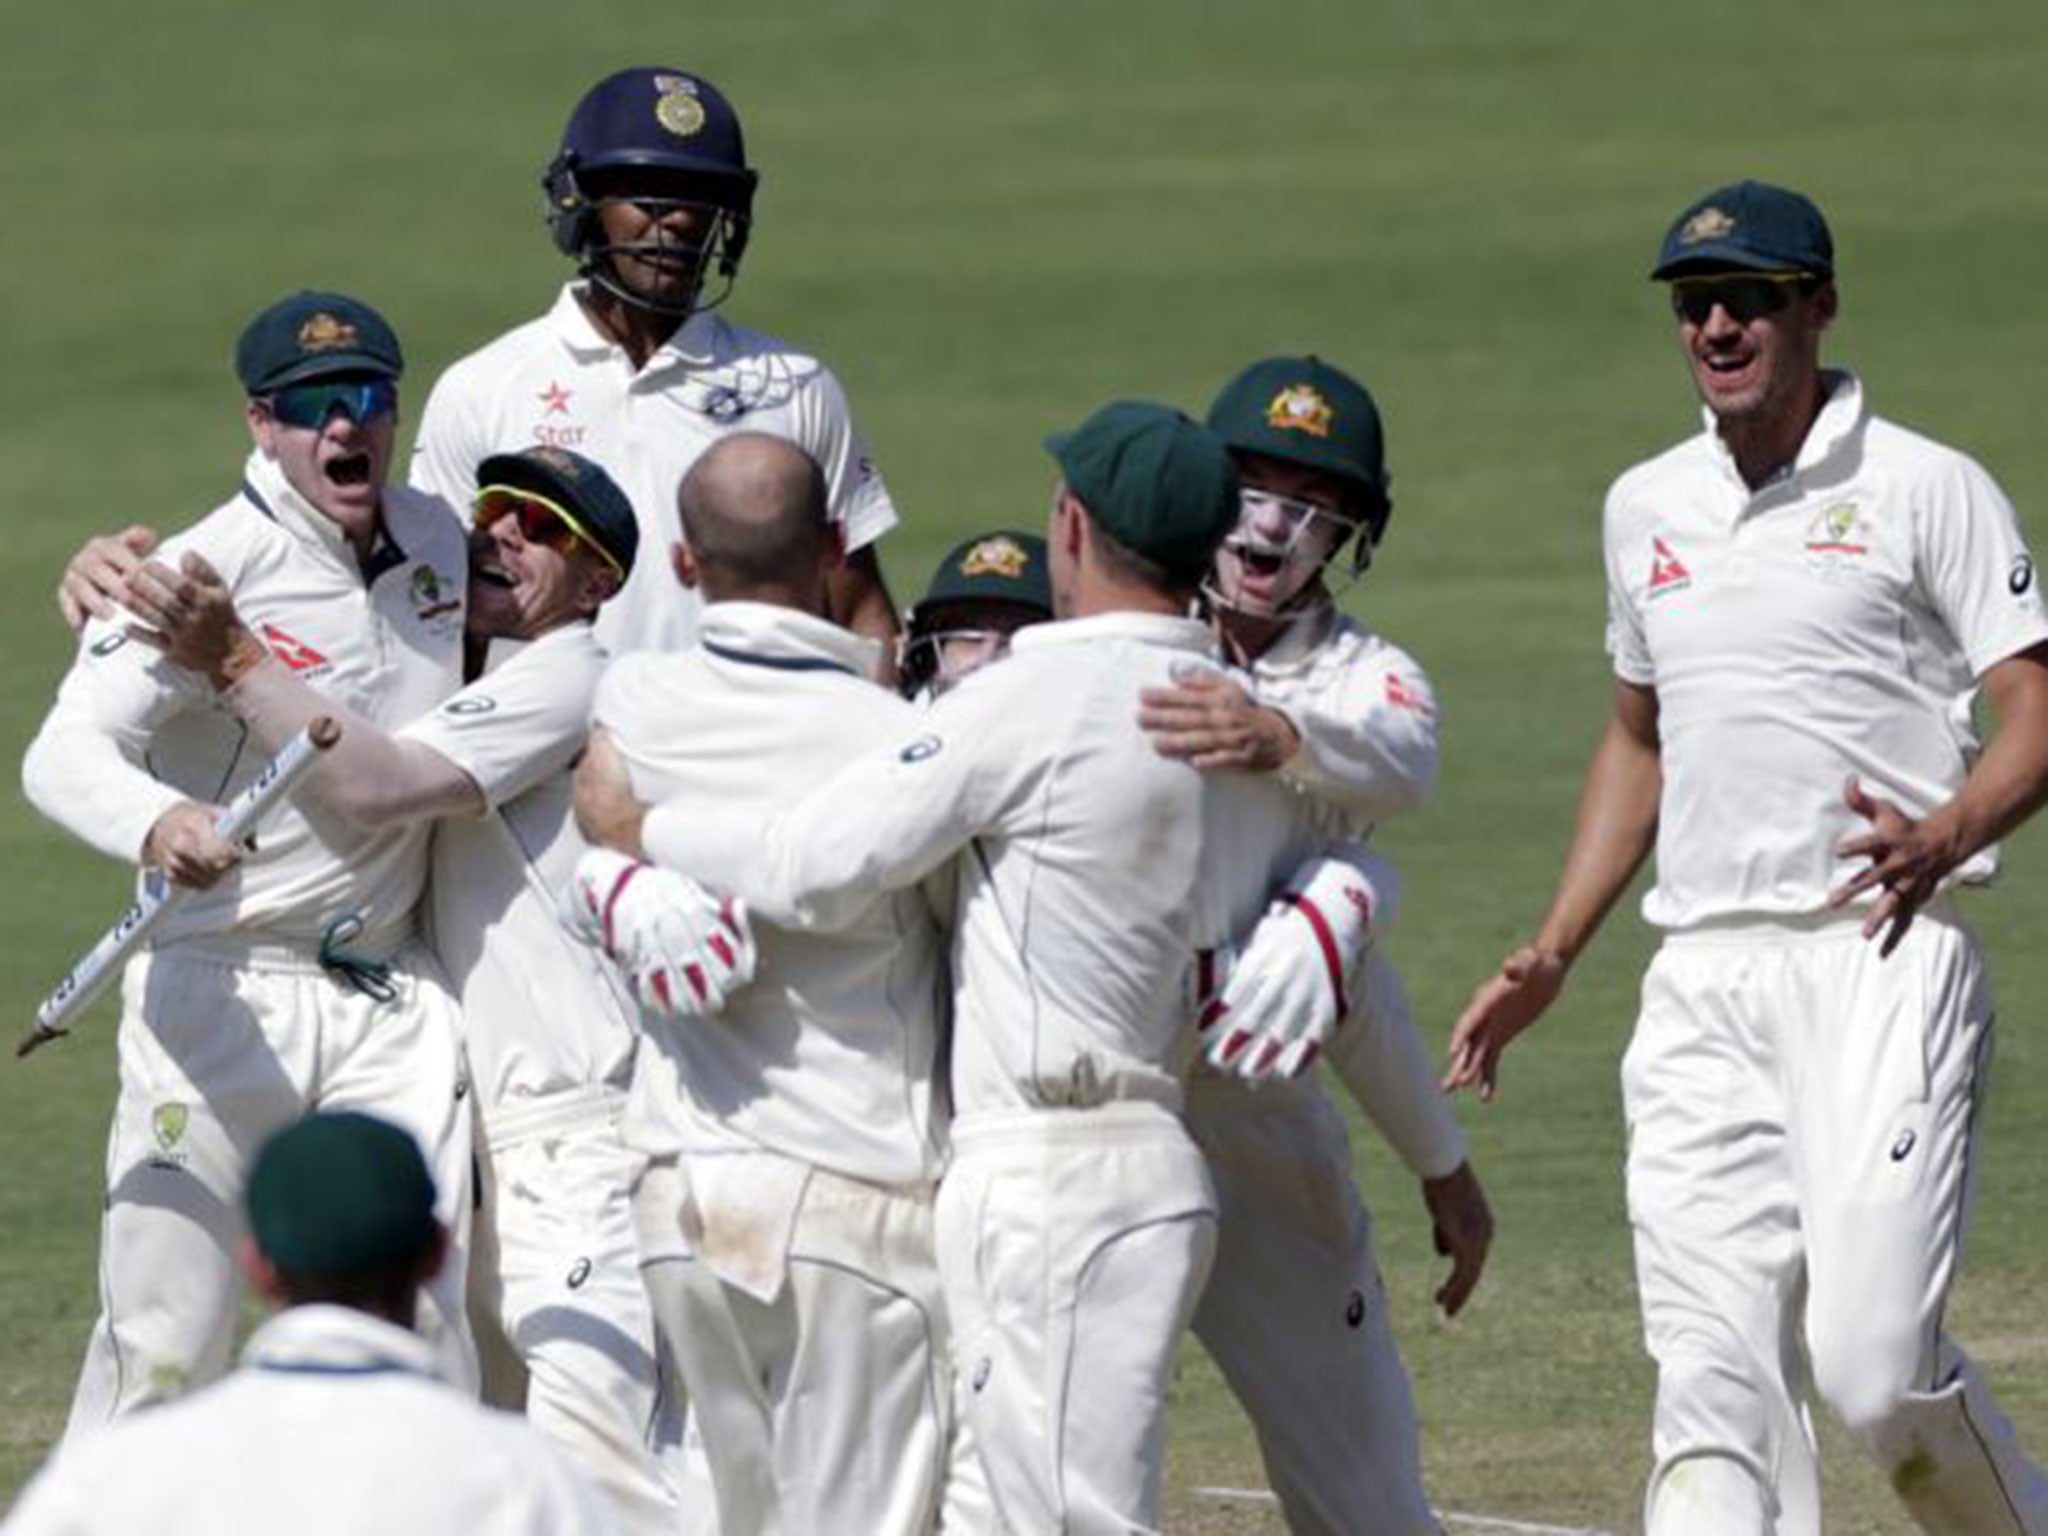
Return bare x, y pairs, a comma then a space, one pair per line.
1693, 299
310, 405
541, 521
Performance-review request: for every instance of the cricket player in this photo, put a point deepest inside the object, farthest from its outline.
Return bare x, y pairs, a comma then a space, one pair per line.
985, 589
1295, 1313
337, 1423
548, 1030
1804, 600
651, 195
293, 976
1076, 1220
796, 1139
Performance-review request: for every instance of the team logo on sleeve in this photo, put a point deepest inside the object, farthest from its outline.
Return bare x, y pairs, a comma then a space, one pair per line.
2020, 579
106, 645
920, 749
1403, 694
291, 650
1667, 572
168, 1122
475, 704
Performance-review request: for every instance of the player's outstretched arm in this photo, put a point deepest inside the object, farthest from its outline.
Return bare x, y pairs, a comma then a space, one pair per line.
1617, 824
1909, 859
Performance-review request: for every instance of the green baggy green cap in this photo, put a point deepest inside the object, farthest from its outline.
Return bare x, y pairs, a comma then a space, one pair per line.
335, 1195
1001, 567
315, 336
1159, 483
1302, 410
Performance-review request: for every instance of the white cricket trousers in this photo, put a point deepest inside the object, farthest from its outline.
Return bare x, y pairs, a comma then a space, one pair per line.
1801, 1122
556, 1271
829, 1408
220, 1045
1073, 1244
1295, 1315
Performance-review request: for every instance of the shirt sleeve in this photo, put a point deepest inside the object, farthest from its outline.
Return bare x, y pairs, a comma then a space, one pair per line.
887, 820
1627, 646
856, 497
1368, 736
1380, 1055
517, 725
87, 767
1975, 566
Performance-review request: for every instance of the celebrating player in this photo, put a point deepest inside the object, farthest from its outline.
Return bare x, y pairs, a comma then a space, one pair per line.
1803, 600
652, 196
985, 589
1076, 1220
1294, 1312
293, 976
796, 1139
549, 1036
342, 1215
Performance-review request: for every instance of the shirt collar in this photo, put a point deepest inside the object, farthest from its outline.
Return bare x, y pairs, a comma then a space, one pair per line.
1296, 645
694, 345
1841, 419
773, 636
265, 486
335, 1340
1169, 630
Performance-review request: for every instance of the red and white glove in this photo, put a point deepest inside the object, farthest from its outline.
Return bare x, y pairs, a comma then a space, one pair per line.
1268, 1000
681, 949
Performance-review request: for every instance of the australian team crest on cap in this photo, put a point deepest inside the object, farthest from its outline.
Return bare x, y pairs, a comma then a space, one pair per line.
999, 556
1300, 408
322, 332
676, 106
1710, 223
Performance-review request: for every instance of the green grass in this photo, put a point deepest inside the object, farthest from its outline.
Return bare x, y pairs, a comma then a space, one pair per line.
991, 218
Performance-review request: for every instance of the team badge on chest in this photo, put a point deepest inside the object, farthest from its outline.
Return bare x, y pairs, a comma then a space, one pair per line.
1837, 540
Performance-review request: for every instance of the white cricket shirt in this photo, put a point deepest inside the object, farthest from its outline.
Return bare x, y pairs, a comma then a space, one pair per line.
131, 735
334, 1425
1091, 868
1365, 712
1834, 622
559, 381
830, 1055
541, 1010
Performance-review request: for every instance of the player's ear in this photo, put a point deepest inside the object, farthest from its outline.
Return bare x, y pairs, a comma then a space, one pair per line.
262, 427
684, 562
262, 1275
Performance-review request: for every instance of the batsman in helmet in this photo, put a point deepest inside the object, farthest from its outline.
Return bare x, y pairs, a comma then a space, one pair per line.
635, 365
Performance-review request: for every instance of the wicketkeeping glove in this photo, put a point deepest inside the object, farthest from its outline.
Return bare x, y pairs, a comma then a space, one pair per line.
1268, 1001
682, 950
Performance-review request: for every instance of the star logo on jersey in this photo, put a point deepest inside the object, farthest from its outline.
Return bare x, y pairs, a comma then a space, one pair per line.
1403, 694
291, 650
555, 398
1300, 408
1667, 572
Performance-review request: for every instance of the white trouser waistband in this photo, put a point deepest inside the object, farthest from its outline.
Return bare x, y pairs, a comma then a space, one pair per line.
1803, 927
523, 1118
1129, 1120
299, 956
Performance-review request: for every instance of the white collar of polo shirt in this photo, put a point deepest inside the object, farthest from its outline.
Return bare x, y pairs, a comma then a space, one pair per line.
321, 1339
771, 634
695, 343
1170, 630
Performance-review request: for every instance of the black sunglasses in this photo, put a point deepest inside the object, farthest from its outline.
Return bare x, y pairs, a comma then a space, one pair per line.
1746, 298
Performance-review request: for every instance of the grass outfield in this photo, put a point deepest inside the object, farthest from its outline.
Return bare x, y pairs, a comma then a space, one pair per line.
990, 218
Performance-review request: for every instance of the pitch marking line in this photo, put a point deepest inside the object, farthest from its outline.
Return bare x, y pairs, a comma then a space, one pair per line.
1484, 1525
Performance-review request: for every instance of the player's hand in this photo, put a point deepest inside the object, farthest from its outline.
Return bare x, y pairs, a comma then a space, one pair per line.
1506, 1004
681, 949
189, 615
1908, 858
95, 581
1462, 1226
1284, 988
607, 810
185, 846
1209, 721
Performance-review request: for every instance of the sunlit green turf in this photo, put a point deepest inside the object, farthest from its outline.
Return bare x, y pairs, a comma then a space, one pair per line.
991, 218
